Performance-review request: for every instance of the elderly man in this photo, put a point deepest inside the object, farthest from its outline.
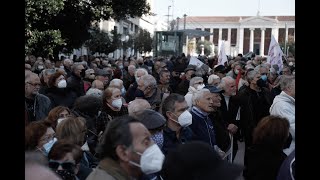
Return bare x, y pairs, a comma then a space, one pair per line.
67, 63
37, 106
202, 125
284, 105
127, 151
103, 75
129, 77
137, 105
184, 84
147, 89
130, 95
175, 110
75, 81
254, 102
163, 84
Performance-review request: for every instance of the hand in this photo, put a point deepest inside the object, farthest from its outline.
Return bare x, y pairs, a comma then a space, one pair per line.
232, 128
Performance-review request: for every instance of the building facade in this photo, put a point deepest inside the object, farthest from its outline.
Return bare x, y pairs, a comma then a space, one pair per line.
243, 34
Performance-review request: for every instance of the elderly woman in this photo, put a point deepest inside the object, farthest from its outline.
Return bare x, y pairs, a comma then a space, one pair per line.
112, 107
58, 114
39, 136
214, 80
196, 84
118, 83
58, 92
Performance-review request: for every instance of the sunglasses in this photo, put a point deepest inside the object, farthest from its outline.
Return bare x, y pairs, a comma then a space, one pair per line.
65, 165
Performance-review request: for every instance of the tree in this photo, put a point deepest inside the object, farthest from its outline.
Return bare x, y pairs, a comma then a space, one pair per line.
207, 47
73, 18
102, 42
290, 45
143, 41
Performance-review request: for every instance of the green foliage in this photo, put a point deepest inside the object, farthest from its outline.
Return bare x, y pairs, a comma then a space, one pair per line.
207, 48
99, 42
143, 41
73, 19
290, 44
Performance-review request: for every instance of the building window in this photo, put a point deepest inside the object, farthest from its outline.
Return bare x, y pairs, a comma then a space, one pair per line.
233, 37
215, 36
136, 29
225, 34
125, 30
282, 35
198, 38
131, 27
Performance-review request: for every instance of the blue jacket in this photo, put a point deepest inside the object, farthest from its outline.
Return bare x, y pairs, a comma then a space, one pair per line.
202, 126
170, 140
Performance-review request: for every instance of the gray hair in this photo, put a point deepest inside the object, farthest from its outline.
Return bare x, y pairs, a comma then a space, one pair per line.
224, 81
198, 95
94, 92
116, 82
131, 67
149, 80
211, 78
140, 69
194, 79
138, 105
286, 82
251, 74
75, 66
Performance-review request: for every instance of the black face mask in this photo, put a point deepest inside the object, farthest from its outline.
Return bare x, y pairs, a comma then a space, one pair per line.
126, 68
83, 73
139, 93
140, 64
261, 83
66, 175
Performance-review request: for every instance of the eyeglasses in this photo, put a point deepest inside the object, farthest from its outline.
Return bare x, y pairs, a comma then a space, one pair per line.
34, 84
199, 83
65, 165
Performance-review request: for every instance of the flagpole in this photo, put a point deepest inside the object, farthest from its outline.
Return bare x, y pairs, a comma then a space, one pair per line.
285, 41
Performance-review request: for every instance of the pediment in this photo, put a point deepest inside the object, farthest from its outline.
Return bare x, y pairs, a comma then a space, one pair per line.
257, 20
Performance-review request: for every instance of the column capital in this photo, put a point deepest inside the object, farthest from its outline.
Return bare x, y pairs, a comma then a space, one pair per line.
263, 29
251, 29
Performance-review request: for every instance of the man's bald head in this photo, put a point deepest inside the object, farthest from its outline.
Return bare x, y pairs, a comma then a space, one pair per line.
97, 84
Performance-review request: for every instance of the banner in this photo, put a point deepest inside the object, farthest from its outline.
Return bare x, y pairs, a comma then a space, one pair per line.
222, 55
275, 54
195, 61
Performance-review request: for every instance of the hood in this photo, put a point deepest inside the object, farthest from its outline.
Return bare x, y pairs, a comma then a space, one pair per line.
283, 97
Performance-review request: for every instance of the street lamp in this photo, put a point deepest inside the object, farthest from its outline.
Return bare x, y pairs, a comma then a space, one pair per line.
169, 17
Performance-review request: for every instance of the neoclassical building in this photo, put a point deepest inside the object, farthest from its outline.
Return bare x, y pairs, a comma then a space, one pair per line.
242, 34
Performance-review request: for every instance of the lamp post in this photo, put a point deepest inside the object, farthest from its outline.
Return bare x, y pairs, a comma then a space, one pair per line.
169, 17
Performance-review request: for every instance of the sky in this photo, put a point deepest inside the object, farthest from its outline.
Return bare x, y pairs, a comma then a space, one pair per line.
223, 8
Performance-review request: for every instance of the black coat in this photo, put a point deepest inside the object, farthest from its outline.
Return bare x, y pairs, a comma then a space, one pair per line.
61, 97
221, 131
75, 83
264, 162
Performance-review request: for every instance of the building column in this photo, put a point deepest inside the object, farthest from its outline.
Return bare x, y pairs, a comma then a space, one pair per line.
240, 44
286, 35
251, 39
275, 33
220, 34
211, 36
262, 41
202, 37
229, 35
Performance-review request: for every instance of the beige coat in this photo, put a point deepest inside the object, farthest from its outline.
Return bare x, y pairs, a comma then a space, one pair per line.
108, 169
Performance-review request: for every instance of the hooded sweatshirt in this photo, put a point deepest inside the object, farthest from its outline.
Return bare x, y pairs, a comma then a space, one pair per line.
284, 106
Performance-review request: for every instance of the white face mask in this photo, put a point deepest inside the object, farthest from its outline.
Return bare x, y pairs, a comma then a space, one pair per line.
200, 87
60, 120
62, 83
47, 147
117, 103
137, 79
185, 119
151, 160
40, 67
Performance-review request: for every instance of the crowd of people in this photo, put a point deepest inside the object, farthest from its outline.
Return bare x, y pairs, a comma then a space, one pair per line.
159, 118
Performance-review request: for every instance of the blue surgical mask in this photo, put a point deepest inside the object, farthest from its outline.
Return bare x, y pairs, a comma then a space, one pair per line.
47, 147
264, 77
158, 138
